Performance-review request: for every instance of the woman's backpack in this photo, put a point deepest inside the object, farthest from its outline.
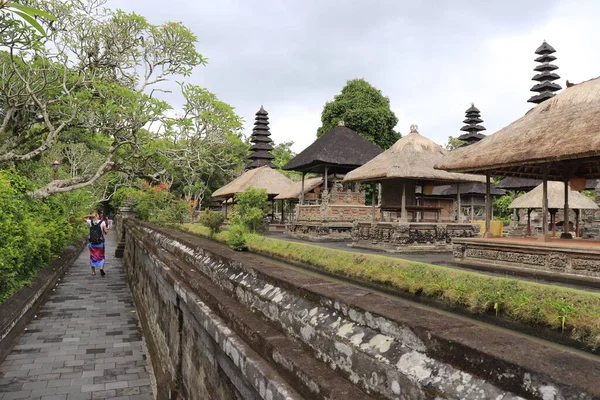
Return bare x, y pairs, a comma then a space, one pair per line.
96, 233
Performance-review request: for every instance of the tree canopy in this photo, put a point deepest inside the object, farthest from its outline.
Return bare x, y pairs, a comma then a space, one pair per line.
364, 109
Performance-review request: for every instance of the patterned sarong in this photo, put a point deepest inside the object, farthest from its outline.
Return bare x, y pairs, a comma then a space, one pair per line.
96, 255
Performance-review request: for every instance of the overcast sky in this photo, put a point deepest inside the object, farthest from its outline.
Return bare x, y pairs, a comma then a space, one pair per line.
431, 58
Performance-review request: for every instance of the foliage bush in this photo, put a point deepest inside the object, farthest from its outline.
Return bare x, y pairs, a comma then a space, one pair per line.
250, 209
33, 230
212, 220
501, 210
573, 312
236, 238
155, 204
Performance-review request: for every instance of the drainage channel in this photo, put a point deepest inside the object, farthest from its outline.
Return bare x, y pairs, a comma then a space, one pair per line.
380, 291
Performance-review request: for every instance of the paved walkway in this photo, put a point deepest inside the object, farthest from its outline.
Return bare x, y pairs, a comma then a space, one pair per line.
85, 342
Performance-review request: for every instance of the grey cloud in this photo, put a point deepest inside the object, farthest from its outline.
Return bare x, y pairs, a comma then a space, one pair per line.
291, 54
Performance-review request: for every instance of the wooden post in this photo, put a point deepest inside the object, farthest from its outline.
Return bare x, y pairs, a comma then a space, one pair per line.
272, 210
373, 203
553, 221
282, 211
488, 207
458, 204
577, 223
325, 177
225, 207
472, 211
528, 221
566, 234
379, 194
302, 190
403, 213
545, 237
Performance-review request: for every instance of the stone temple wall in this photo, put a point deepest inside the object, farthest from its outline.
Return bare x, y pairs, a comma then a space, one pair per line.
227, 325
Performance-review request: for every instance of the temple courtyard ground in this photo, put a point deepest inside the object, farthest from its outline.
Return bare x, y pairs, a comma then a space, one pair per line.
85, 342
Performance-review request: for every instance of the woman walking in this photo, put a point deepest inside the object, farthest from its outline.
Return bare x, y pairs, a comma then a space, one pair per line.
96, 242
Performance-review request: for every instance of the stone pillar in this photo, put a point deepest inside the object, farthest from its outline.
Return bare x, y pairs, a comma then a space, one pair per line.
127, 210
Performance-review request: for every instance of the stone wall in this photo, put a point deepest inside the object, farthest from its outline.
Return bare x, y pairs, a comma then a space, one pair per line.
224, 325
578, 259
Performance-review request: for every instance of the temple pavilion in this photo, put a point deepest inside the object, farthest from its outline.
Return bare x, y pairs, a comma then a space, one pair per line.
327, 208
260, 172
406, 175
558, 140
533, 201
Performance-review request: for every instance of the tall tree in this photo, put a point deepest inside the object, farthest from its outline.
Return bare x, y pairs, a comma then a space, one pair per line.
97, 73
364, 109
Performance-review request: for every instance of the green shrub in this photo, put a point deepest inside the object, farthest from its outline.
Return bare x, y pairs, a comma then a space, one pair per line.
237, 238
212, 220
33, 231
250, 208
154, 204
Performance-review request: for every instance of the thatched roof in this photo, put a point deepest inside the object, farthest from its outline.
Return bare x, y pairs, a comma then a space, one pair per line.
295, 190
565, 127
341, 150
529, 184
264, 177
466, 188
411, 157
556, 198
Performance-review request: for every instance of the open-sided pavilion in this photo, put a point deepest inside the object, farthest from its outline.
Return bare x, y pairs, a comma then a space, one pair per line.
401, 169
331, 209
558, 140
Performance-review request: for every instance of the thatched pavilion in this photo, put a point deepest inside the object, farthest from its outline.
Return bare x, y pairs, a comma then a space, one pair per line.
402, 168
265, 177
533, 200
337, 152
312, 194
327, 211
405, 165
557, 140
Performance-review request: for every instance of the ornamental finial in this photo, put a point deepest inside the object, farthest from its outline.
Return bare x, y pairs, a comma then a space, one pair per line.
414, 128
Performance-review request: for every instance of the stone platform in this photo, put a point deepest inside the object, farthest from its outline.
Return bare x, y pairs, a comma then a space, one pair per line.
320, 231
575, 256
410, 236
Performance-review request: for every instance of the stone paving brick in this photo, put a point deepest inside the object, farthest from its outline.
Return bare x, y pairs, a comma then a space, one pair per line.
84, 337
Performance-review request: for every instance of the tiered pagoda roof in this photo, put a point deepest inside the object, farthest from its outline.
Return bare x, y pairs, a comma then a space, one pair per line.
472, 127
545, 75
261, 142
